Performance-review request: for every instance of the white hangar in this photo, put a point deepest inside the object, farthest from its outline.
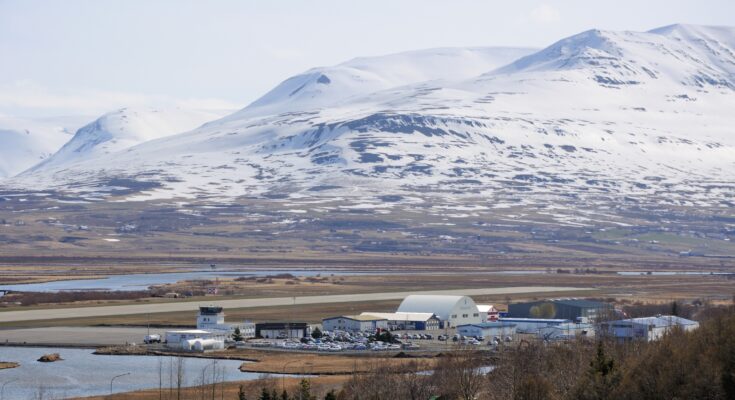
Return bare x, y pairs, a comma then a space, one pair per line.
451, 310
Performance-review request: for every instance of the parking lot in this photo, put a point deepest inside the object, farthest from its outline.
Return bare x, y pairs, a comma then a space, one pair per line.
432, 341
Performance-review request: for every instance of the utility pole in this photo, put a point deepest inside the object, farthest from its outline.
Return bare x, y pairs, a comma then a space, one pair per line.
115, 377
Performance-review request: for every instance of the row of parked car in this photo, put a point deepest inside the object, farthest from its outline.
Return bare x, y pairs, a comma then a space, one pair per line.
334, 346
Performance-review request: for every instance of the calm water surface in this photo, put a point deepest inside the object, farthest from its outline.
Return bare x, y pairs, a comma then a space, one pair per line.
82, 373
143, 281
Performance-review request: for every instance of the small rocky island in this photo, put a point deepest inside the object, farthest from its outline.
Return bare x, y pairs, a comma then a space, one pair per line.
50, 357
8, 364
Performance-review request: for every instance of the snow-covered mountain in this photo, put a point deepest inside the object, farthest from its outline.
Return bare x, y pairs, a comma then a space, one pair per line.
124, 128
594, 118
26, 142
326, 86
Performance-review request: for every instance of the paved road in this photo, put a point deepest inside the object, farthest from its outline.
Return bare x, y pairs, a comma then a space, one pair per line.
77, 335
83, 312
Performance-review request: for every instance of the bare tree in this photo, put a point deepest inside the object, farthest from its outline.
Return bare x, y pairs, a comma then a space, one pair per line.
459, 375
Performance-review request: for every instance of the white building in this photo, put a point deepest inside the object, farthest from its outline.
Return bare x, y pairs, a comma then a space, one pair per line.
647, 328
488, 330
202, 345
451, 310
212, 318
408, 321
185, 339
532, 325
354, 323
488, 312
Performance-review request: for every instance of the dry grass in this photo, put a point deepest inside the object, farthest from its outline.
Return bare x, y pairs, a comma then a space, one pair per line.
320, 385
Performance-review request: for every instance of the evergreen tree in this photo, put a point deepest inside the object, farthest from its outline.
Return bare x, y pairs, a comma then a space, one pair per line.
304, 392
237, 335
330, 396
316, 333
241, 394
284, 395
601, 379
674, 308
265, 395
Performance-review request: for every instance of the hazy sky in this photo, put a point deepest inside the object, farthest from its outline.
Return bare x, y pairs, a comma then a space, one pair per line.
92, 56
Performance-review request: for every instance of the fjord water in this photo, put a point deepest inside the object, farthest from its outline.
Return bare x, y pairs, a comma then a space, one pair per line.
82, 373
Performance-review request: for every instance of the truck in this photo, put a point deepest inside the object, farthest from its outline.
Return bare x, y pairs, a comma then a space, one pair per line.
152, 339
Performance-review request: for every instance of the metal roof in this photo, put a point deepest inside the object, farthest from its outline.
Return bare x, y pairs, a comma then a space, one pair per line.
361, 317
659, 321
401, 316
540, 320
440, 305
486, 325
191, 331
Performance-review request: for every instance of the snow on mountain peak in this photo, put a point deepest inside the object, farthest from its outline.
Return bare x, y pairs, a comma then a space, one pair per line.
325, 86
123, 128
694, 55
544, 127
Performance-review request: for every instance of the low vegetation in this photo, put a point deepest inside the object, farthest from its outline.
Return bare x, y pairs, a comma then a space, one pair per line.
34, 298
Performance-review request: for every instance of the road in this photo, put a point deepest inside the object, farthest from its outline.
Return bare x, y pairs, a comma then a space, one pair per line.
84, 312
77, 335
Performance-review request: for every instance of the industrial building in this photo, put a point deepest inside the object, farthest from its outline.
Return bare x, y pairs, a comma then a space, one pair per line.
488, 329
282, 330
566, 331
354, 323
532, 325
451, 310
212, 318
408, 321
648, 328
571, 309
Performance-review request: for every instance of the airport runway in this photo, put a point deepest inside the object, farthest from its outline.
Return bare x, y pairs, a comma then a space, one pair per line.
77, 335
84, 312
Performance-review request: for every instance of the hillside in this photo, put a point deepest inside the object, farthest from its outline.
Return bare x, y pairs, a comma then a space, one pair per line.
26, 142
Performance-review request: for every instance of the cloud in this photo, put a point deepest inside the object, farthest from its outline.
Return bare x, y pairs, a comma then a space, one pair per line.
28, 98
545, 13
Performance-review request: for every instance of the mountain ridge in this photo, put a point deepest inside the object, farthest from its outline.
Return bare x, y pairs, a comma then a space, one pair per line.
594, 118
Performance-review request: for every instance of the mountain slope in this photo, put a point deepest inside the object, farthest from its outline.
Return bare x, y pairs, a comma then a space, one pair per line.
325, 86
591, 121
27, 142
124, 128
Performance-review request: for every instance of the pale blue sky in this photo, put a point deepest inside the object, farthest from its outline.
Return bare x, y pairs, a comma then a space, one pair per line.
91, 56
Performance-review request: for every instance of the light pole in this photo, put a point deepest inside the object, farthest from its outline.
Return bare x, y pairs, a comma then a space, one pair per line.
2, 390
115, 377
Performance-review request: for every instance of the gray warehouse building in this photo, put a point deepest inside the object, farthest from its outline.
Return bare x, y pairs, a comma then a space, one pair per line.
571, 309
